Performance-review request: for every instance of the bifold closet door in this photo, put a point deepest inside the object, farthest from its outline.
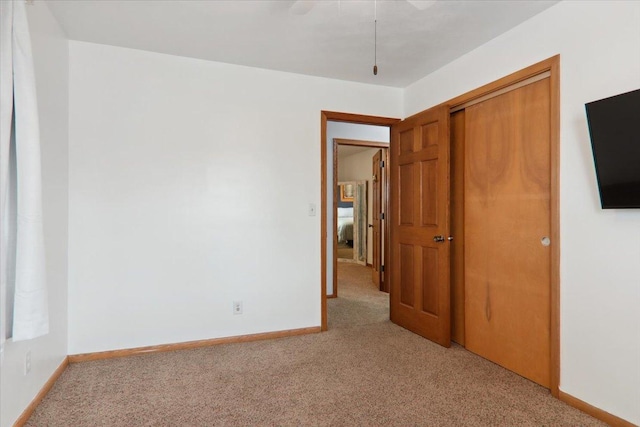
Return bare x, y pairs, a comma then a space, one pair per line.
507, 225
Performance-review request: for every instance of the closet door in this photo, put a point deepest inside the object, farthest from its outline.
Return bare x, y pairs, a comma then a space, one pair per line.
507, 226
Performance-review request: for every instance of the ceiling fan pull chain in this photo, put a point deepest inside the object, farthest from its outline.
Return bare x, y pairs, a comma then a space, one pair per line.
375, 37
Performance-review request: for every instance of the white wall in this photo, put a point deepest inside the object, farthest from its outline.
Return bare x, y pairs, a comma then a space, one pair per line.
190, 183
357, 167
50, 51
168, 156
346, 131
599, 44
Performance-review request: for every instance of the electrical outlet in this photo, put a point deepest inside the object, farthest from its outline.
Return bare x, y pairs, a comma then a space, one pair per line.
27, 362
237, 307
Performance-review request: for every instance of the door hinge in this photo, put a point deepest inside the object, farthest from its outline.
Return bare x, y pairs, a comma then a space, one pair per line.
382, 268
382, 215
381, 163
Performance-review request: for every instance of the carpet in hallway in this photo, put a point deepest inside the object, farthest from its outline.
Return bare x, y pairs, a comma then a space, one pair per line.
359, 302
345, 251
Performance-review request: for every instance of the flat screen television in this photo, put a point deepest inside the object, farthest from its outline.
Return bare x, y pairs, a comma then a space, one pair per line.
614, 126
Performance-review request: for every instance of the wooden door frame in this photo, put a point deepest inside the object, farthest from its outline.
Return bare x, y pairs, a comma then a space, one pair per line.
552, 66
348, 118
355, 143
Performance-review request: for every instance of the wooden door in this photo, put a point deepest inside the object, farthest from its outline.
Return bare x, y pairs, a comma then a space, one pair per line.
457, 226
507, 216
419, 219
376, 222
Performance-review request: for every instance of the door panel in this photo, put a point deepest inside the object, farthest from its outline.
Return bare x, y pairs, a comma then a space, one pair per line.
420, 268
507, 212
406, 194
407, 269
429, 134
430, 280
406, 141
429, 193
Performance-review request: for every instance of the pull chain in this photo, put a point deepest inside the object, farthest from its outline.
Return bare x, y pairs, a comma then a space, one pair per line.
375, 37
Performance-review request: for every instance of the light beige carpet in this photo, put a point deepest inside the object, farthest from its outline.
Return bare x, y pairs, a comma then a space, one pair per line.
345, 251
365, 371
359, 302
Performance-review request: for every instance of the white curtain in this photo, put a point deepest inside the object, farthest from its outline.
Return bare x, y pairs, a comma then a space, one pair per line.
22, 262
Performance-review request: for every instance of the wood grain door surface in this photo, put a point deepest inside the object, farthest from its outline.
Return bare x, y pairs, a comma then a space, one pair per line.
420, 298
507, 214
457, 125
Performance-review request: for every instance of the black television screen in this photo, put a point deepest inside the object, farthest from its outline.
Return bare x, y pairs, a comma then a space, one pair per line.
614, 126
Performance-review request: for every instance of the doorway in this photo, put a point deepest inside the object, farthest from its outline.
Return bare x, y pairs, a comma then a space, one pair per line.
328, 200
359, 226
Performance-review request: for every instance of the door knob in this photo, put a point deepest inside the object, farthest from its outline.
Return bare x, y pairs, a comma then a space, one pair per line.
438, 239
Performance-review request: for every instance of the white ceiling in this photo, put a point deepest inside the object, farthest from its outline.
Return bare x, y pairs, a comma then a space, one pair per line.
328, 38
350, 150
